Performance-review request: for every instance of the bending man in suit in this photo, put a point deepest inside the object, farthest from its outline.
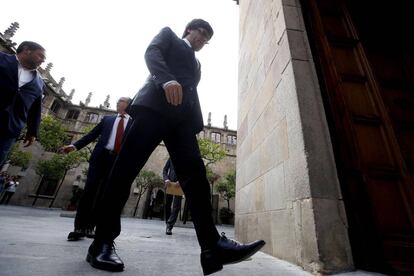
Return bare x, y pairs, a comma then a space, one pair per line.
172, 202
167, 109
21, 89
110, 132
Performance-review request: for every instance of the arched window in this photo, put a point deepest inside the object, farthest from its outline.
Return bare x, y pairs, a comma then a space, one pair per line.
216, 137
72, 114
92, 117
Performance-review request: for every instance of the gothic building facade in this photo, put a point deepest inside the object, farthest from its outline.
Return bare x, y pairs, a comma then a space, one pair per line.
76, 118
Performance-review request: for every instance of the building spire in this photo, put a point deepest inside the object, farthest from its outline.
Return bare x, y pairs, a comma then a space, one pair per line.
9, 33
60, 85
88, 99
72, 92
106, 102
209, 119
48, 67
225, 122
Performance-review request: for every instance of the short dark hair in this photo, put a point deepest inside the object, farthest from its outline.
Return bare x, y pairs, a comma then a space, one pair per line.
198, 23
30, 45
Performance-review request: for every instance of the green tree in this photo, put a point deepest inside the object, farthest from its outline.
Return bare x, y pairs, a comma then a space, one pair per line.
227, 187
144, 182
57, 167
19, 158
52, 135
210, 152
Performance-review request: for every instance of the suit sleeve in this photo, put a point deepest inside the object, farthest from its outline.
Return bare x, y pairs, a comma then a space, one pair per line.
90, 137
165, 170
155, 56
33, 117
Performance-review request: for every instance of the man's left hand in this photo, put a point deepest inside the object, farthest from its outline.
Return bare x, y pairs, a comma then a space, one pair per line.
29, 139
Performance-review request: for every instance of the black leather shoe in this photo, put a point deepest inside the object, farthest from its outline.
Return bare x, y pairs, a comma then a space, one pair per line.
227, 251
102, 255
76, 235
168, 230
90, 233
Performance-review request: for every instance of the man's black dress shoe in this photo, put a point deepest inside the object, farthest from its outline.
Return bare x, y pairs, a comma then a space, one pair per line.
76, 235
227, 251
168, 230
102, 255
90, 233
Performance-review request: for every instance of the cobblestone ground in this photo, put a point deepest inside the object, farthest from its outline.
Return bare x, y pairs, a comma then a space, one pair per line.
33, 242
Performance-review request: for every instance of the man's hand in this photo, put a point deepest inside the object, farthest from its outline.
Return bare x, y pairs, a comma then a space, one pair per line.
67, 149
29, 139
174, 93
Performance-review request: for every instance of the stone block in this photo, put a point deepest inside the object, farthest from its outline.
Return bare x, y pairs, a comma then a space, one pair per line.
306, 229
265, 231
283, 235
274, 189
332, 235
297, 45
274, 149
284, 56
253, 166
293, 18
258, 193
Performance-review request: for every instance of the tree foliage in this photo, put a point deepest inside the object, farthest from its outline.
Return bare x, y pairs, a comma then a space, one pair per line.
19, 158
145, 181
227, 187
52, 135
210, 152
59, 164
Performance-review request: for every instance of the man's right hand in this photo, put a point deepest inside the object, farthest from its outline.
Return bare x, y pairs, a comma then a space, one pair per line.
67, 149
174, 93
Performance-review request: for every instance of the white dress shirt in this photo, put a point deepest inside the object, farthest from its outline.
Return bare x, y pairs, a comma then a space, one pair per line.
24, 75
111, 141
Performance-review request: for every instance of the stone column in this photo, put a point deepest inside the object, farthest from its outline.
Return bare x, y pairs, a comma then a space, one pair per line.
287, 187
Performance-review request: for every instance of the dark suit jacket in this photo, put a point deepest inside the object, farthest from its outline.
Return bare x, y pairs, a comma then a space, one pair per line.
18, 106
168, 172
103, 131
169, 58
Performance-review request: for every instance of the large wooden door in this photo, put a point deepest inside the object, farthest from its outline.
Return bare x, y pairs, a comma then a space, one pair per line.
366, 72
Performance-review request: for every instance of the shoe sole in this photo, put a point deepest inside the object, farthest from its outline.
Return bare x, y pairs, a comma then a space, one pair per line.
215, 267
89, 259
258, 247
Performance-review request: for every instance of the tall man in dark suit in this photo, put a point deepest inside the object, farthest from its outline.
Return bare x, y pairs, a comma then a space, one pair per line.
172, 202
21, 89
110, 131
167, 109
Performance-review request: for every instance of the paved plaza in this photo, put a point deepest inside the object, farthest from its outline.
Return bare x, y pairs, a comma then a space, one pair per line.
33, 242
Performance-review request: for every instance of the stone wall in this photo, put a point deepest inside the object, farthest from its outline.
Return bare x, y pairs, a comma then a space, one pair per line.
287, 187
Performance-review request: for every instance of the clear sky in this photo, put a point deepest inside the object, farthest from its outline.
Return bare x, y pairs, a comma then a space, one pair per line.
99, 45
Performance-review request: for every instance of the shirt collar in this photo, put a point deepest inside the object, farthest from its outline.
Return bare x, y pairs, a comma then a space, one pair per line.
187, 42
126, 116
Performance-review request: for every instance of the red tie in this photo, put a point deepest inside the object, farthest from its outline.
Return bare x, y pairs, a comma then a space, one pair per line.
119, 133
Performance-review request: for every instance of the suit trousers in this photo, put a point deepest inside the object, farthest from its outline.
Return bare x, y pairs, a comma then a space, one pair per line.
147, 131
98, 171
5, 145
171, 214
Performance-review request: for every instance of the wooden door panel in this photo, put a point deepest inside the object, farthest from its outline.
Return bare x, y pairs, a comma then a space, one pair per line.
373, 148
369, 95
358, 99
346, 61
389, 210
